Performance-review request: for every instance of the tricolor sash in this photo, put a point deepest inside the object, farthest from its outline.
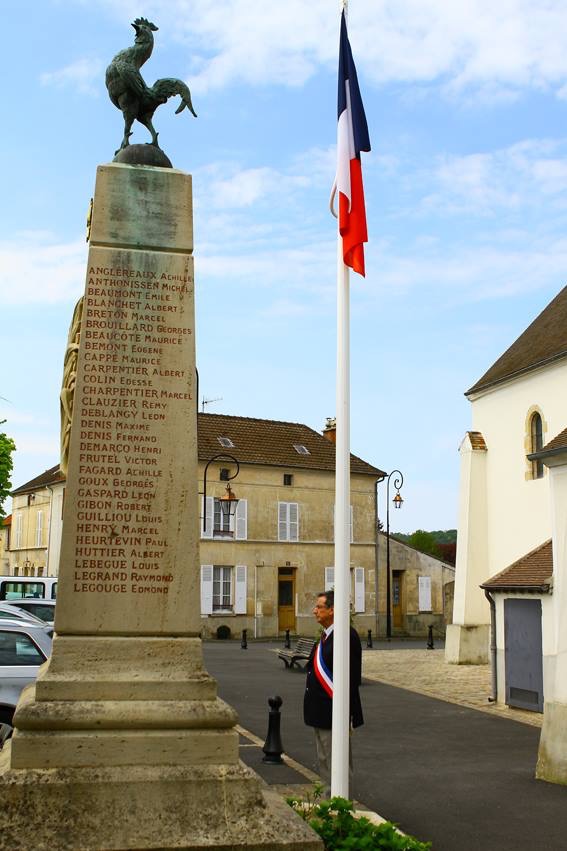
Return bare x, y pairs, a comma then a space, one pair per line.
324, 676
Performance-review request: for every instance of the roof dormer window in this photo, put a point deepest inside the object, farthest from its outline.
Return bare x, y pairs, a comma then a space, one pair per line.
301, 449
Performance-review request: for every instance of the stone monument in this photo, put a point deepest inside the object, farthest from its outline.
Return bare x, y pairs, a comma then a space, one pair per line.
123, 743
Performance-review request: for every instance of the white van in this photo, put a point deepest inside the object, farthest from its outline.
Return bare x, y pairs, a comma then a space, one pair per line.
34, 587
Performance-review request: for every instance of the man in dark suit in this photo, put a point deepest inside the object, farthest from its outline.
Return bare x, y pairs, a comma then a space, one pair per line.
318, 699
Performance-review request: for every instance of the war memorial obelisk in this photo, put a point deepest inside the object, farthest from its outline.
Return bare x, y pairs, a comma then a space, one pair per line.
123, 743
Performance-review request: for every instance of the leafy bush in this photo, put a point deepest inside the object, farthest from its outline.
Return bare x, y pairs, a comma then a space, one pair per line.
338, 828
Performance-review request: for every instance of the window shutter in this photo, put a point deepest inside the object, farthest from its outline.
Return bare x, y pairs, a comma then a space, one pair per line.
206, 589
293, 521
18, 541
359, 589
351, 525
242, 520
39, 528
424, 591
209, 509
240, 590
329, 578
282, 521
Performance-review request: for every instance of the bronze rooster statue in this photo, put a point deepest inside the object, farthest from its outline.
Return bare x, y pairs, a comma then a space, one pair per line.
128, 91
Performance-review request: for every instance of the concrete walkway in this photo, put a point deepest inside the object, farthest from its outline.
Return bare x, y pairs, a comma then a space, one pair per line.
443, 771
425, 672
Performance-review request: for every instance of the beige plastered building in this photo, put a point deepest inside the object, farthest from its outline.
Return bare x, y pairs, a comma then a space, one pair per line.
35, 532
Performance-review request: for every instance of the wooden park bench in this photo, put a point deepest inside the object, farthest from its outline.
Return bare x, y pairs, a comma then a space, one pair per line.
299, 653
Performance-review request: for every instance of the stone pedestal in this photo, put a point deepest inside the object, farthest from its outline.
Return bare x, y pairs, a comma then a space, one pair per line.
123, 743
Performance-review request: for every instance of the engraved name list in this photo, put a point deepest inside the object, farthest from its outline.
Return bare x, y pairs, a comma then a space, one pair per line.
137, 326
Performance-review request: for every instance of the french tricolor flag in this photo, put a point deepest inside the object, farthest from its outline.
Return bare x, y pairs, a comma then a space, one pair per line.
352, 139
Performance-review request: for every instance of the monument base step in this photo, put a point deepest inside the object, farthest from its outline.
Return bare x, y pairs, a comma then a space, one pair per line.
145, 808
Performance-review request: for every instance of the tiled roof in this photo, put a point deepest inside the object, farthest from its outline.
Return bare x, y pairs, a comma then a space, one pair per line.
531, 572
270, 442
559, 442
557, 446
477, 440
545, 340
50, 477
7, 521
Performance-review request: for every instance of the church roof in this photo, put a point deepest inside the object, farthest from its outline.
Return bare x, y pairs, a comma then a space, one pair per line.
544, 341
531, 572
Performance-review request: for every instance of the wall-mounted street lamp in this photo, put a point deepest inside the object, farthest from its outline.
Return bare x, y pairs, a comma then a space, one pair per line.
398, 502
228, 501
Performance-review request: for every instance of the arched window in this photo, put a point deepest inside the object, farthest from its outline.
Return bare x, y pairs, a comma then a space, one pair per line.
536, 433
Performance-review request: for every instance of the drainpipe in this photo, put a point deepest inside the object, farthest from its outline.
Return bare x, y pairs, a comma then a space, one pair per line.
494, 696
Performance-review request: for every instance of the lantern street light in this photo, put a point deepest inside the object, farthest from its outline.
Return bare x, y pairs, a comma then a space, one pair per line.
228, 501
398, 502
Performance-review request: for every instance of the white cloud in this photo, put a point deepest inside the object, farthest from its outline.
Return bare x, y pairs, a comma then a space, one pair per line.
84, 75
35, 271
468, 273
495, 48
519, 177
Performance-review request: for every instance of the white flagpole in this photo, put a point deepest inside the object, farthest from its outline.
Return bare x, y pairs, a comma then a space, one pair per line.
341, 639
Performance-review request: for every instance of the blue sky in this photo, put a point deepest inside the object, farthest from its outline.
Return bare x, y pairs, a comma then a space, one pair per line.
465, 185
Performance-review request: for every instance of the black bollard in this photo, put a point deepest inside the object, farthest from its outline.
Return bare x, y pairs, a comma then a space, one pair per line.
369, 639
430, 642
273, 747
244, 640
287, 642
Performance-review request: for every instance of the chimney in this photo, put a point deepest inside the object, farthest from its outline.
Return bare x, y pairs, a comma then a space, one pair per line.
330, 430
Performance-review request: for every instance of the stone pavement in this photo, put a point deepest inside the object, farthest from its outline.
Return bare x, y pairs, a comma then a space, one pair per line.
425, 672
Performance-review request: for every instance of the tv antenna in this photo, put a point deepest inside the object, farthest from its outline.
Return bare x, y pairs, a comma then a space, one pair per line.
209, 402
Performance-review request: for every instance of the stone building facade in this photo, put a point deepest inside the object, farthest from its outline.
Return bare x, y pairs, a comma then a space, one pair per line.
263, 573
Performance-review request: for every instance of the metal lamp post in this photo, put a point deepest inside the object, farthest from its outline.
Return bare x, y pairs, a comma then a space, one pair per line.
398, 501
229, 500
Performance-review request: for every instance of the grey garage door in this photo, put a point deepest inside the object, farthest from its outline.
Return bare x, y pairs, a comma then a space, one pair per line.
523, 654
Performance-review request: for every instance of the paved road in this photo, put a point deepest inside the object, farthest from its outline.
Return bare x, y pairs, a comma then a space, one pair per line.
443, 772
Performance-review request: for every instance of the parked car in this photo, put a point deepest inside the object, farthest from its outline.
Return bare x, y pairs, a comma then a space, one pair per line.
9, 612
23, 648
42, 609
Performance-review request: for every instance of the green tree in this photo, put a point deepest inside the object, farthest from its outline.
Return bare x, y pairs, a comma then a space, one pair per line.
424, 542
7, 447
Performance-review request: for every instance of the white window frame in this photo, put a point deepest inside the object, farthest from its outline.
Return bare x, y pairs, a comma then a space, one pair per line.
223, 577
288, 525
237, 526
